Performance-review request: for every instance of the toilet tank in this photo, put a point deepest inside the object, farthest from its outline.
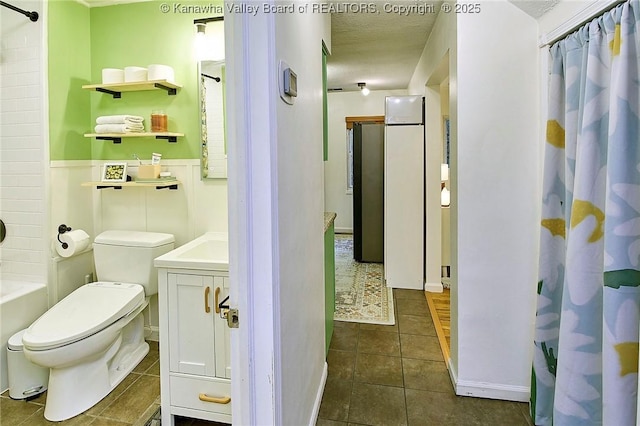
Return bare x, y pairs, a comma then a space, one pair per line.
127, 257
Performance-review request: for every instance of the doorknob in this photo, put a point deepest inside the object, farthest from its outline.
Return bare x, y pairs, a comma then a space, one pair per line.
3, 231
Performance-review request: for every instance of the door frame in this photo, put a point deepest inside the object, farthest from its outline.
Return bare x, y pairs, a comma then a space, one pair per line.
251, 118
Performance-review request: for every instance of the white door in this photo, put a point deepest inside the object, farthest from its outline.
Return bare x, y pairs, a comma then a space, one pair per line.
249, 45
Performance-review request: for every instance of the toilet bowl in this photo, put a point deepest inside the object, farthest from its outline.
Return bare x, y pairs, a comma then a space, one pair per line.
92, 339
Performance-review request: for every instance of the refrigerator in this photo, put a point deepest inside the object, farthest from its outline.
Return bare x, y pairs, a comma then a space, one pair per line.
368, 192
404, 135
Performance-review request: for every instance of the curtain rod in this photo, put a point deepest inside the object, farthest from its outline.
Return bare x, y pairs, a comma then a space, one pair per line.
581, 18
31, 15
207, 20
217, 79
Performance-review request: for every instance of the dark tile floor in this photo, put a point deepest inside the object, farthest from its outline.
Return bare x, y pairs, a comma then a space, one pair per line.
396, 375
378, 375
133, 402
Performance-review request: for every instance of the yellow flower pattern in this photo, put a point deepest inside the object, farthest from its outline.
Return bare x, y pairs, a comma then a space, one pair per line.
586, 345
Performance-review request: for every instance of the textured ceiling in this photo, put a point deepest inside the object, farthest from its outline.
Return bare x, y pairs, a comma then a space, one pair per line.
535, 8
383, 49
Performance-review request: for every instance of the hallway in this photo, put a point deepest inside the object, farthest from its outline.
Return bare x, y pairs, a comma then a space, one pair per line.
396, 375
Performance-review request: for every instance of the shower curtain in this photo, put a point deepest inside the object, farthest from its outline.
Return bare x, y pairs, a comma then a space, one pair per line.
585, 367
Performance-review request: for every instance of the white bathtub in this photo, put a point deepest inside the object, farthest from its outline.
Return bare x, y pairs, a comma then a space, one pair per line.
21, 303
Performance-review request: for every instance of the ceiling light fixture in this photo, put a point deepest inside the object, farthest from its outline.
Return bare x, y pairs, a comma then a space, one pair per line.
363, 88
209, 39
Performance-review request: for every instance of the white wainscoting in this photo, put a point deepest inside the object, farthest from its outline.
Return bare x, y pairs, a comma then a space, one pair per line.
196, 207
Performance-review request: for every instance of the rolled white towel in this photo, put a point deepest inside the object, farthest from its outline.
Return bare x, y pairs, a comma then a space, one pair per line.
119, 119
119, 128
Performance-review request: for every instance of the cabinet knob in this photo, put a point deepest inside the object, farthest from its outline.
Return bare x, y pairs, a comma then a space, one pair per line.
207, 308
206, 398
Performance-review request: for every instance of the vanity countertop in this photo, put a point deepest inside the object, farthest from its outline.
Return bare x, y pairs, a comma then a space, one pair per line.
329, 217
207, 252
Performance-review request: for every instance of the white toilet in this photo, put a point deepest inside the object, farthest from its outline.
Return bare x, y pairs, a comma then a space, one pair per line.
94, 337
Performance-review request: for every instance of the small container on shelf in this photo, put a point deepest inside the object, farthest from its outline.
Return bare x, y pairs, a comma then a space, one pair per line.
148, 171
159, 121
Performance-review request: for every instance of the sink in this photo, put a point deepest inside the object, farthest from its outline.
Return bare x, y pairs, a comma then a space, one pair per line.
208, 252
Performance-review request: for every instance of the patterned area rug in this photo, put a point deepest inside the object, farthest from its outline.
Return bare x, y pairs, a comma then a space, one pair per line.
361, 294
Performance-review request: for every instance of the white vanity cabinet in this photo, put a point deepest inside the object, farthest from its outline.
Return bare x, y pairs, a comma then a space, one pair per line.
195, 367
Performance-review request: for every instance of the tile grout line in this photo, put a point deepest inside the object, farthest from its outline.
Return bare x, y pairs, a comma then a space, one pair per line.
404, 389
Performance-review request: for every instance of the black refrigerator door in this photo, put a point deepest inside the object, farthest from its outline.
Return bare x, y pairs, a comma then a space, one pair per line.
368, 192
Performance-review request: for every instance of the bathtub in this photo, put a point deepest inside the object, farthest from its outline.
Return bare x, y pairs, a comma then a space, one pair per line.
21, 303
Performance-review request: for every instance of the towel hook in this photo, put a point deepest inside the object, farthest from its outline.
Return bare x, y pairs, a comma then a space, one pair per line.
61, 230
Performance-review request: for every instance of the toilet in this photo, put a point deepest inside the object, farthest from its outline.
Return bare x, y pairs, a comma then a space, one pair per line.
93, 338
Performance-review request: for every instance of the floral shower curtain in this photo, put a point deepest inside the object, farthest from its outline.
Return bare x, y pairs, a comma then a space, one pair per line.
585, 367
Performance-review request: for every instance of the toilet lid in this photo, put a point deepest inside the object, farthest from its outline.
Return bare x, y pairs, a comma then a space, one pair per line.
82, 313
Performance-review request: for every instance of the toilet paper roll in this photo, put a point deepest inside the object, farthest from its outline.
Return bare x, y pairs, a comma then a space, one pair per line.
76, 241
132, 74
112, 75
160, 72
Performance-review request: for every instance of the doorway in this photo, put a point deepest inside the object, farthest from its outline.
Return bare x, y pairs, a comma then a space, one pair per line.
437, 207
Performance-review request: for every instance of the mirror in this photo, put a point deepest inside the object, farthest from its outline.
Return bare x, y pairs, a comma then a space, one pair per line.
211, 81
213, 134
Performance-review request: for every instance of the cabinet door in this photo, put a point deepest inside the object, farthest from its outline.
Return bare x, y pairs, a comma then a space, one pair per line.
191, 330
223, 350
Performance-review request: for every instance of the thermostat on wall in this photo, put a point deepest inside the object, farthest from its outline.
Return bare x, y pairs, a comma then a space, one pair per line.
290, 82
287, 83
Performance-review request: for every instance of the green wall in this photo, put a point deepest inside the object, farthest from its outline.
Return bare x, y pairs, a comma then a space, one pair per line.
135, 34
69, 68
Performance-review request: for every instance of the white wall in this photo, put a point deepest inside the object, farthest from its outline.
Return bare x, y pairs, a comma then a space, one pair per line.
23, 138
276, 215
562, 12
341, 105
300, 212
497, 186
494, 111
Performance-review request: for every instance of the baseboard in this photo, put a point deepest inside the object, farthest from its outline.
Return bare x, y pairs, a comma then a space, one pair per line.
404, 286
492, 390
433, 287
316, 406
152, 333
487, 390
452, 372
343, 230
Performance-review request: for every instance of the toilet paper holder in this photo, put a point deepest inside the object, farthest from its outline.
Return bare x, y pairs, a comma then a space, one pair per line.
61, 230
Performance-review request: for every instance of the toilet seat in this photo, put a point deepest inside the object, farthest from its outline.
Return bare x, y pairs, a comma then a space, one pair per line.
82, 313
